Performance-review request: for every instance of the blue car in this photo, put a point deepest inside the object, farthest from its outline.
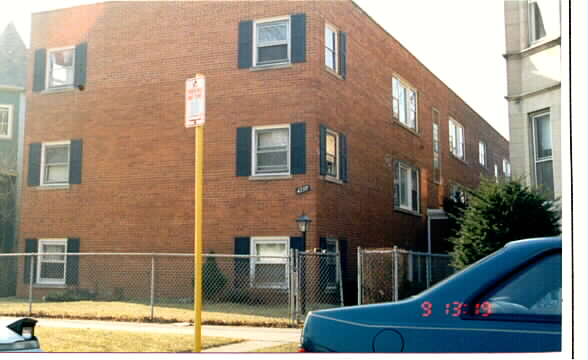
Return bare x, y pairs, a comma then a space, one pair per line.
510, 301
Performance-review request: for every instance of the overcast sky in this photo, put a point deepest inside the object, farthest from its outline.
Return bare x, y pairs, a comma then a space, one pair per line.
461, 41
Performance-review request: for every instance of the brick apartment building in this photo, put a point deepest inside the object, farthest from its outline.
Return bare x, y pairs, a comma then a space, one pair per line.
298, 93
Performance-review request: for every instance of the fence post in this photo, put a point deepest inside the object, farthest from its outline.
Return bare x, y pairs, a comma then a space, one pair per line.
291, 311
359, 276
429, 258
340, 276
31, 286
395, 260
152, 297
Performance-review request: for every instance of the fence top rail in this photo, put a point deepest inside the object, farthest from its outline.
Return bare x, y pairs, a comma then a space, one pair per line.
318, 253
402, 251
142, 254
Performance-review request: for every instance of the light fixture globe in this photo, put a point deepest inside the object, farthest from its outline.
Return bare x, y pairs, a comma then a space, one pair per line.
303, 222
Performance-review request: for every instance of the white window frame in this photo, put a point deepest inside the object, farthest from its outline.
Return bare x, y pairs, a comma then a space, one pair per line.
337, 153
288, 40
396, 99
255, 260
335, 50
496, 172
454, 145
40, 260
506, 167
483, 154
43, 162
49, 67
10, 109
330, 241
254, 149
409, 188
536, 159
437, 145
531, 6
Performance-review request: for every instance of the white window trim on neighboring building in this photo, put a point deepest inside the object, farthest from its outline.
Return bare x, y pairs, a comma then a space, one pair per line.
337, 174
255, 260
496, 174
9, 109
254, 131
482, 154
335, 50
44, 165
436, 146
456, 147
288, 41
404, 87
48, 70
41, 260
506, 167
536, 158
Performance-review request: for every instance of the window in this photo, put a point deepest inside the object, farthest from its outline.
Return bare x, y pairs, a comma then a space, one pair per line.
496, 172
436, 148
60, 67
51, 268
482, 153
404, 104
272, 151
458, 193
406, 181
55, 164
506, 167
456, 139
5, 121
331, 154
543, 151
270, 271
272, 42
532, 291
331, 48
332, 273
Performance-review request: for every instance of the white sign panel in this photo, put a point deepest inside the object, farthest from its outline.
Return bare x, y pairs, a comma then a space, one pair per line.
195, 101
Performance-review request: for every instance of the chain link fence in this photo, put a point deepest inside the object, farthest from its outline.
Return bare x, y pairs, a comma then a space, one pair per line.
394, 274
237, 289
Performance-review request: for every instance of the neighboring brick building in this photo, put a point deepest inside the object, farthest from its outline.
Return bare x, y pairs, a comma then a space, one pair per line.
13, 57
285, 108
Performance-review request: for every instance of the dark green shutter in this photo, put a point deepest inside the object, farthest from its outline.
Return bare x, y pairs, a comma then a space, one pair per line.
297, 243
243, 151
396, 184
298, 143
80, 66
242, 247
298, 38
31, 246
343, 54
323, 150
343, 157
34, 175
73, 262
40, 70
75, 162
245, 56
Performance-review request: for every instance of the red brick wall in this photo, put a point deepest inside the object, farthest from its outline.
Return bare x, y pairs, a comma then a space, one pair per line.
137, 179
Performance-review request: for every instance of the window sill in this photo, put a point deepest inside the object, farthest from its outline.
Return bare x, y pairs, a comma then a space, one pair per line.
332, 180
53, 187
401, 125
271, 67
458, 159
49, 286
269, 177
334, 73
407, 212
58, 90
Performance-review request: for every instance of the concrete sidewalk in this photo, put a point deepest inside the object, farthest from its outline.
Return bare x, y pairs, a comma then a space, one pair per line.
256, 337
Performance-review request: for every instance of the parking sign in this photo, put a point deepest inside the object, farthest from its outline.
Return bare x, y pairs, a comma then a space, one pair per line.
195, 101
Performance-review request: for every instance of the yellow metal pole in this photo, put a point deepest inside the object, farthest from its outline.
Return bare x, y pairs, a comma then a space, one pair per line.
198, 166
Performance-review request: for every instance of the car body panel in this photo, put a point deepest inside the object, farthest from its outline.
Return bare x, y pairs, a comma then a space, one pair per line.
10, 339
410, 328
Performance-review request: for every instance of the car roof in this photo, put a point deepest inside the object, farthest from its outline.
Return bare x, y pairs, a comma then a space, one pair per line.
8, 336
552, 242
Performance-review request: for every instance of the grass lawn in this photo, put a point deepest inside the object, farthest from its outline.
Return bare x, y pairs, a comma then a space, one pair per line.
291, 347
213, 314
92, 340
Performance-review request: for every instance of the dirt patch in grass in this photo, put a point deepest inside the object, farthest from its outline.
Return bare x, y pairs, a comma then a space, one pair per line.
213, 314
92, 340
